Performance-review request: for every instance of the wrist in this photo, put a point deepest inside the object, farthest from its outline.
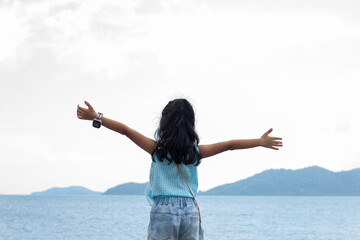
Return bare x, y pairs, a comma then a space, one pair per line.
261, 142
93, 116
97, 120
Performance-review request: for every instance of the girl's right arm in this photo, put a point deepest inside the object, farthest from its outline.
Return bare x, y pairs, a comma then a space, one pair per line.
143, 142
264, 141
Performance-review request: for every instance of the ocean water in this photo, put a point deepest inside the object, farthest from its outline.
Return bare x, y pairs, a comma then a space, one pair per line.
224, 217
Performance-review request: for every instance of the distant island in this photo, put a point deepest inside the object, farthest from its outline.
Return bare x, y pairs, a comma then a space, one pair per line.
67, 191
310, 181
127, 189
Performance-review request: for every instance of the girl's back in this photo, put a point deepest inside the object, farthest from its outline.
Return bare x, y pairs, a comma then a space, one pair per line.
173, 175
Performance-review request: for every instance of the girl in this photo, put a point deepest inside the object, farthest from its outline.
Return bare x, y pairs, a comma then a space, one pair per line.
173, 175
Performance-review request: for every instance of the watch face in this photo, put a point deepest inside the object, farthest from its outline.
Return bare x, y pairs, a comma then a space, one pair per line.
96, 124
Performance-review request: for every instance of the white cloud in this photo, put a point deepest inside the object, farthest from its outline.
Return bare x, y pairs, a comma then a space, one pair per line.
13, 32
247, 67
342, 125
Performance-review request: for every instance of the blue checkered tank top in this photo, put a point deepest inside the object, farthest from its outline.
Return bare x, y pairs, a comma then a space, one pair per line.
166, 180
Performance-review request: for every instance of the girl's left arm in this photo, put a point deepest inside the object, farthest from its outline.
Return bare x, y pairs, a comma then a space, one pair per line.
143, 142
265, 141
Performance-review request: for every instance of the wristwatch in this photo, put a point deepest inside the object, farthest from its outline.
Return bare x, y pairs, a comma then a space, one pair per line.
97, 121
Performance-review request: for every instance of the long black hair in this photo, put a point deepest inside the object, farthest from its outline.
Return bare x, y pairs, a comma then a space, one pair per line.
176, 137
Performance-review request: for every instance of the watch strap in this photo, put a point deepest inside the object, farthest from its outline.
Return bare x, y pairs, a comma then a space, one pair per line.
99, 116
97, 121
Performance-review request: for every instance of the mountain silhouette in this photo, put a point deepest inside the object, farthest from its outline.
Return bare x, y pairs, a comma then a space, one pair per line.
310, 181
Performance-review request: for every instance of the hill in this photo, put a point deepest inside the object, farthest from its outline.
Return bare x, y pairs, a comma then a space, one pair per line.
127, 189
311, 181
73, 190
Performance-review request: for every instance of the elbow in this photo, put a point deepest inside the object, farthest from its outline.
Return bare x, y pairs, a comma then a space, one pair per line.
125, 131
230, 146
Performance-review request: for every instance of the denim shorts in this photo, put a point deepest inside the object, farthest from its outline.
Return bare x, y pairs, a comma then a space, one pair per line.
174, 218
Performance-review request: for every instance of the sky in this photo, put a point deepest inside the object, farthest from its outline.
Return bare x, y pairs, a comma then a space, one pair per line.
246, 66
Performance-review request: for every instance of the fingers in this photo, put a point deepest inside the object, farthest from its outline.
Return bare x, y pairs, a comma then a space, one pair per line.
276, 145
81, 108
268, 132
87, 104
90, 107
80, 111
85, 113
272, 142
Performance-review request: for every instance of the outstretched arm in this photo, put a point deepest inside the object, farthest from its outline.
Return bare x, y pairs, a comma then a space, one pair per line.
264, 141
143, 142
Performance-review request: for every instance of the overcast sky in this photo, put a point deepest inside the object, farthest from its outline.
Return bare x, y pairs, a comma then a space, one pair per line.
246, 66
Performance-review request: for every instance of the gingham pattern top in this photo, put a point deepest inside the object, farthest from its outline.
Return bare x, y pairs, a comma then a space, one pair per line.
166, 180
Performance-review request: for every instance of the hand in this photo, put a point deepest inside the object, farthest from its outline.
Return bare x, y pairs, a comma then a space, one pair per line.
86, 113
270, 142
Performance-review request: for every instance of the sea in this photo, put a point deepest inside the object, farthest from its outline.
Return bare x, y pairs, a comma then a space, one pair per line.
224, 217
